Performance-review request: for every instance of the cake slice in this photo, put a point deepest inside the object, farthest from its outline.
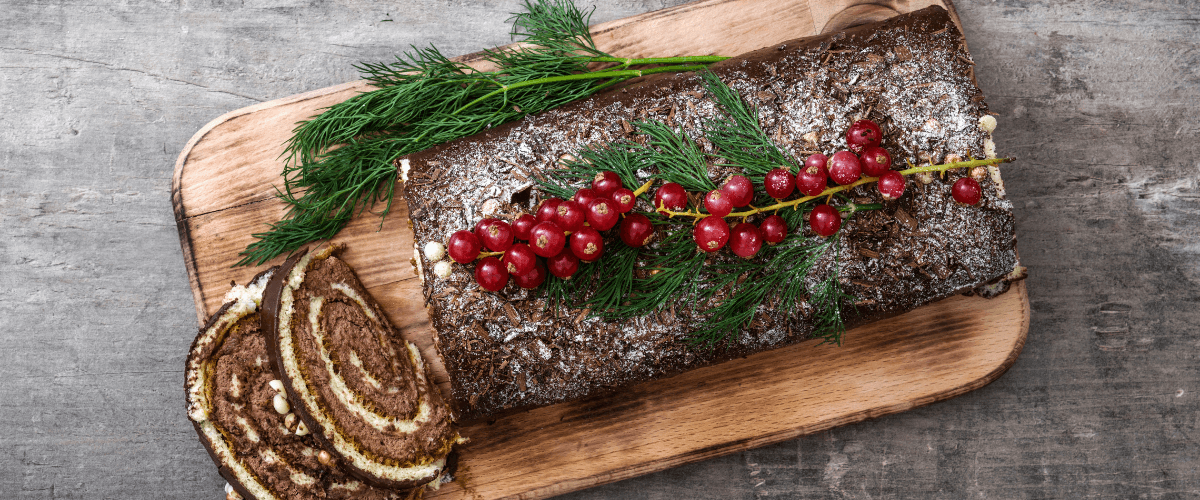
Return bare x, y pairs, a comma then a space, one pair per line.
235, 402
358, 386
513, 349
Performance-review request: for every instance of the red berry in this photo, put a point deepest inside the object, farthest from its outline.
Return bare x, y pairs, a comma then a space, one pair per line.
812, 179
711, 233
584, 196
717, 203
605, 183
844, 167
779, 183
672, 196
624, 200
825, 220
816, 160
482, 224
547, 239
636, 230
587, 244
570, 216
739, 189
497, 236
532, 279
490, 274
463, 246
602, 215
876, 161
564, 264
891, 185
745, 240
863, 134
519, 259
967, 191
774, 229
547, 209
523, 225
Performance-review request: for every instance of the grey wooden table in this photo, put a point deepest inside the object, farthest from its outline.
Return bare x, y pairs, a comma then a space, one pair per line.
1100, 100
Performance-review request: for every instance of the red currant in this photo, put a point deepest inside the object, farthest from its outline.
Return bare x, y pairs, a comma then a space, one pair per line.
587, 244
812, 179
547, 209
636, 230
844, 167
739, 189
863, 134
585, 196
717, 203
482, 225
967, 191
601, 214
463, 246
825, 220
519, 259
876, 161
570, 216
523, 225
672, 196
564, 264
547, 239
745, 240
605, 183
711, 233
624, 200
779, 183
891, 185
532, 279
774, 229
816, 160
490, 274
497, 236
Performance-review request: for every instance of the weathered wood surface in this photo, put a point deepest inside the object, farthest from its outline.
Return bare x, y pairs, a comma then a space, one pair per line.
223, 189
1098, 99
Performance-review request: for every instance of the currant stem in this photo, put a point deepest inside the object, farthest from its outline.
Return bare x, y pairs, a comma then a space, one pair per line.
644, 187
833, 190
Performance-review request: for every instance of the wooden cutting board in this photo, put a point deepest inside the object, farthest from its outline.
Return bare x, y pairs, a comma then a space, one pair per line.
223, 191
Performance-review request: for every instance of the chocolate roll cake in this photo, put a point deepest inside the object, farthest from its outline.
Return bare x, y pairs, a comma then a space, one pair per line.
911, 74
236, 403
358, 386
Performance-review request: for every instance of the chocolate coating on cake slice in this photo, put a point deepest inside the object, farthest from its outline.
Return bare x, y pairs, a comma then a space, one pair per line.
360, 388
232, 405
911, 74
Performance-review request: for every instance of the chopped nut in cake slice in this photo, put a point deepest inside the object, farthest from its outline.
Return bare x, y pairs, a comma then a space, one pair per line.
236, 403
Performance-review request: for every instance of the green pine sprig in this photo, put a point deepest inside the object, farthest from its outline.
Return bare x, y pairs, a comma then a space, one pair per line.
339, 163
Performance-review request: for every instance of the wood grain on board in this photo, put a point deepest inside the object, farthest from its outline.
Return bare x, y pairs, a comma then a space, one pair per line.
223, 192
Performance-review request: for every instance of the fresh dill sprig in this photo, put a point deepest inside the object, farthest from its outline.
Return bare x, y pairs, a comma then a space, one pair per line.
777, 276
676, 155
673, 266
827, 301
339, 163
737, 134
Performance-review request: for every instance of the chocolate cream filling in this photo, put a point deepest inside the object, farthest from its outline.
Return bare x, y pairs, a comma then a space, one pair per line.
234, 397
361, 388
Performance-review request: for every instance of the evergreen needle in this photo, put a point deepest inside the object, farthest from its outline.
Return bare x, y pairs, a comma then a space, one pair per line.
339, 163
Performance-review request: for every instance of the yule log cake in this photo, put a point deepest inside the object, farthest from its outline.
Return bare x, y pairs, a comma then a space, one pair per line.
654, 306
257, 430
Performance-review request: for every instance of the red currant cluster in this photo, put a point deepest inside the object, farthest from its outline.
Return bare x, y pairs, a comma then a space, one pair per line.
563, 232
